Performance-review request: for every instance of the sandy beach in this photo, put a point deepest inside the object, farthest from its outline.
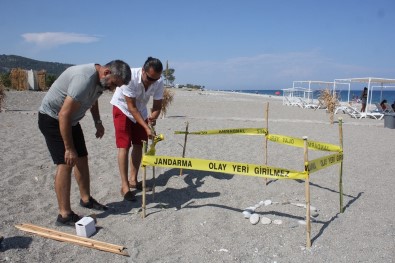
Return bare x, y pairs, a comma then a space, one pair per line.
197, 217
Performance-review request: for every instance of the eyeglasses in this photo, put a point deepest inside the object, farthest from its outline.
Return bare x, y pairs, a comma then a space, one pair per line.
151, 79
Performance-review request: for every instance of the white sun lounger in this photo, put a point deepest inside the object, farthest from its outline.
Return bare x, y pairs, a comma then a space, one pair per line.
306, 105
354, 113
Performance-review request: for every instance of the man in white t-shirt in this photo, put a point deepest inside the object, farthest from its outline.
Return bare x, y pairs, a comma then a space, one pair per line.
132, 120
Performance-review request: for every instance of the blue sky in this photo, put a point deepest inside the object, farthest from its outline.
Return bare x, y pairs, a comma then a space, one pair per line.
220, 44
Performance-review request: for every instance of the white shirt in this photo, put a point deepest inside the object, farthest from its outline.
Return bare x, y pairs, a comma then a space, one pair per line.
135, 89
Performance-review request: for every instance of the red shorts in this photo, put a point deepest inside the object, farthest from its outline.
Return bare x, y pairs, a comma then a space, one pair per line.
126, 131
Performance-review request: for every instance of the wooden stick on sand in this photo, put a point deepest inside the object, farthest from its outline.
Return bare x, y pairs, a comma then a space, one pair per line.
65, 237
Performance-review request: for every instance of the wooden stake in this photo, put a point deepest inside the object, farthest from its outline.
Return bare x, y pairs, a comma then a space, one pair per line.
307, 187
267, 128
65, 237
153, 167
185, 144
144, 178
341, 166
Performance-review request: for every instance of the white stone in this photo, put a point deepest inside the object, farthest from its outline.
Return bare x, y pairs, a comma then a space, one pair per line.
254, 219
267, 202
265, 220
302, 222
314, 213
312, 208
250, 208
246, 214
277, 222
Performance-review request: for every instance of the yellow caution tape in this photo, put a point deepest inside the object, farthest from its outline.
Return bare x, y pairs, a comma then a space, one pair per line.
293, 141
297, 142
223, 167
241, 131
323, 162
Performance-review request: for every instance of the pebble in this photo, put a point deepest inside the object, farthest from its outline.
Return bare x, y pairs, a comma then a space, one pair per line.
265, 220
277, 222
246, 214
312, 208
254, 219
251, 209
268, 202
302, 222
314, 214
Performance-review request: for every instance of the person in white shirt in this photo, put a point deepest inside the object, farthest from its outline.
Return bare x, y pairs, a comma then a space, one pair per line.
132, 119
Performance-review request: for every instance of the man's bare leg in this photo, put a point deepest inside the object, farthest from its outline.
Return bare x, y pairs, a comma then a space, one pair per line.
62, 188
81, 173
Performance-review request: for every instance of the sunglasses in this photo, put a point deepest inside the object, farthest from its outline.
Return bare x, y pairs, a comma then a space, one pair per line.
151, 79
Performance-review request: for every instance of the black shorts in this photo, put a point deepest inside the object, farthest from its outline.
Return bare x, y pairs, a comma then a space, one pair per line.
49, 127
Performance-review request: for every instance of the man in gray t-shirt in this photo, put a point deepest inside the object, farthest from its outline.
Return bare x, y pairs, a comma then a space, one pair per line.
75, 91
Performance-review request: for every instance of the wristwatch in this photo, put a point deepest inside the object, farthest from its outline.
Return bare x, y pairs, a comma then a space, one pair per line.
98, 122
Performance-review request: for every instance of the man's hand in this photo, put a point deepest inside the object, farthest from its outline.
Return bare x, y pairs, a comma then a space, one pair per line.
151, 121
70, 157
149, 133
99, 130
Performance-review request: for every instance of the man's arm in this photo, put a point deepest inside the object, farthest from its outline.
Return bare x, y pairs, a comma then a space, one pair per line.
155, 112
131, 102
96, 118
66, 112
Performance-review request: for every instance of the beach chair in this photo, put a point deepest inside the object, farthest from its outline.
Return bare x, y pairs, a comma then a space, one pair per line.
342, 108
388, 108
321, 104
356, 114
306, 105
378, 108
292, 101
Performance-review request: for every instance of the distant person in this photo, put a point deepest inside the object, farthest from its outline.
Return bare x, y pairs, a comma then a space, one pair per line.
364, 98
382, 104
393, 106
75, 91
132, 119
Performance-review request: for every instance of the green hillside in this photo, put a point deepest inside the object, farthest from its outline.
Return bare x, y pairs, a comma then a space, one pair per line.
8, 62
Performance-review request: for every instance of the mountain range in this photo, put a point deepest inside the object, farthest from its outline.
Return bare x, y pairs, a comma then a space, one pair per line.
8, 62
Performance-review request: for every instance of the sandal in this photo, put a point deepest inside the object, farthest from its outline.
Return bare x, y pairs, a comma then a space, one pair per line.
129, 196
139, 186
70, 220
93, 204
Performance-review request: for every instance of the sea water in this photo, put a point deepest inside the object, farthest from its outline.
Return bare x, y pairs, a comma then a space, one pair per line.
377, 95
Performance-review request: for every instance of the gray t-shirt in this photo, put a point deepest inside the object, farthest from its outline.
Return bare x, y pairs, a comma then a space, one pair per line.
80, 83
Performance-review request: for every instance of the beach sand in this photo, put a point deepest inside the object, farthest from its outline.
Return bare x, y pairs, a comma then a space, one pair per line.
197, 217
